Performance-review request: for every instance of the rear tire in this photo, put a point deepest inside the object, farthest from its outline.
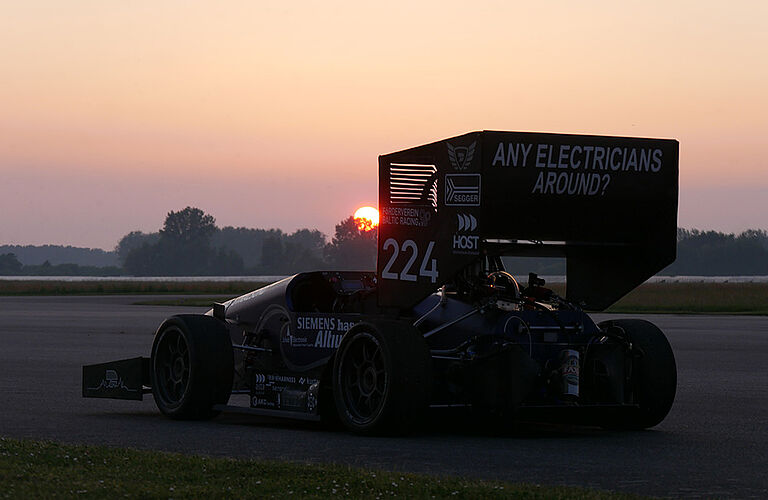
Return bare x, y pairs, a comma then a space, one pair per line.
655, 374
192, 366
381, 378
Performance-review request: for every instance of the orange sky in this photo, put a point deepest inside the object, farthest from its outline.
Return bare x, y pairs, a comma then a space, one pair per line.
114, 113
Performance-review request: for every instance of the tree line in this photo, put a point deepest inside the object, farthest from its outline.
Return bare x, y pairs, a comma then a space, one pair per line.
190, 243
61, 254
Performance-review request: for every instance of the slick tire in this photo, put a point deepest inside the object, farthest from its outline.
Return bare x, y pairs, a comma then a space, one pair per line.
381, 378
191, 367
654, 375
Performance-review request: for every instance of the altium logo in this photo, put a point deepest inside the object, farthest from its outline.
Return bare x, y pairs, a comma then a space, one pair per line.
461, 156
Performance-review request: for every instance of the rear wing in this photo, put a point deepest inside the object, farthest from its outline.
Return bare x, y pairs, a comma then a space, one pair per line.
606, 204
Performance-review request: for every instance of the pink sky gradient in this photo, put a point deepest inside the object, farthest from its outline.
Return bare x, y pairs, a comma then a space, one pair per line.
273, 114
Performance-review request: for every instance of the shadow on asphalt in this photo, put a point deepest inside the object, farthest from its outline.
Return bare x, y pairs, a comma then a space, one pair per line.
437, 424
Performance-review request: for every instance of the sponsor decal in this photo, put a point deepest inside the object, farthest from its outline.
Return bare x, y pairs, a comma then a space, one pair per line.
323, 323
294, 341
466, 244
112, 380
570, 371
248, 296
461, 156
262, 402
412, 184
322, 332
311, 402
462, 243
284, 391
326, 339
462, 190
406, 216
467, 222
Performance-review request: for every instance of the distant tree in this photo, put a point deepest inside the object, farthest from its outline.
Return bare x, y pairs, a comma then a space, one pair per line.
272, 254
352, 248
185, 242
225, 262
190, 225
311, 239
303, 250
711, 253
271, 251
246, 242
183, 247
757, 235
59, 254
145, 260
10, 265
132, 240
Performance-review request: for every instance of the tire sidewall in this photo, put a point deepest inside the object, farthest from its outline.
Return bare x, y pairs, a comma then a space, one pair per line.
655, 378
408, 365
211, 366
339, 392
165, 406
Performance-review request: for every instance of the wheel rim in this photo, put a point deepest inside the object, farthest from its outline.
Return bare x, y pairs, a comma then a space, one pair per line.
364, 378
172, 366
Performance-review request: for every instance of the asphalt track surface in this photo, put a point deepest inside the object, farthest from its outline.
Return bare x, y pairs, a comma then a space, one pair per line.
714, 443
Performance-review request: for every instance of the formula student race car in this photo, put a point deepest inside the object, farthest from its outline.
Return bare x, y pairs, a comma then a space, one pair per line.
441, 323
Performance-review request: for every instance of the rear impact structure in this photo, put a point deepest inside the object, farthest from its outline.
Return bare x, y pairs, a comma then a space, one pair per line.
606, 204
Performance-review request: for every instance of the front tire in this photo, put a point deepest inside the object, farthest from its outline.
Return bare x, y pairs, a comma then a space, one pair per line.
381, 378
192, 366
654, 374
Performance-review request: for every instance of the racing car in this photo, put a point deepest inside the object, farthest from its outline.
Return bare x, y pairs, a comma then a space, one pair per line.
441, 323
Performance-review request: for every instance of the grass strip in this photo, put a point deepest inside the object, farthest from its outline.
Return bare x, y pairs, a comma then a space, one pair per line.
695, 298
34, 469
691, 298
31, 287
662, 297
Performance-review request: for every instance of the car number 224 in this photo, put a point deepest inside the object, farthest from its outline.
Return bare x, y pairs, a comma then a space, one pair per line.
427, 268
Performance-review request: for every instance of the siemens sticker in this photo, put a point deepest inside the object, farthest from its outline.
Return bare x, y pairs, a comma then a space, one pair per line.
323, 323
323, 332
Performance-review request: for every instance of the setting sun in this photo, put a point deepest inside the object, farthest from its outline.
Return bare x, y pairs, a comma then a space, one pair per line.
367, 218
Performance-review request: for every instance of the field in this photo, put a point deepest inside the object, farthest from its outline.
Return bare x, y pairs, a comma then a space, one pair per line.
663, 297
692, 298
31, 469
696, 298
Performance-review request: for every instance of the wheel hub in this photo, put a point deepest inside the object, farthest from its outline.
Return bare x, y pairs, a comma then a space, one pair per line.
368, 380
178, 368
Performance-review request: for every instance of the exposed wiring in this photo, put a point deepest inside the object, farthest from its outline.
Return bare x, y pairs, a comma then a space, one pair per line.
527, 329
